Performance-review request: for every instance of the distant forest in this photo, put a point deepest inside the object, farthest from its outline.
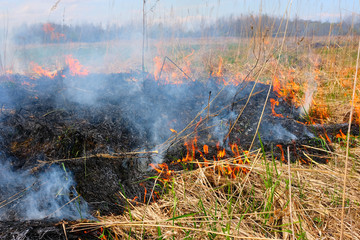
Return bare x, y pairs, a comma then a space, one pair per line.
243, 26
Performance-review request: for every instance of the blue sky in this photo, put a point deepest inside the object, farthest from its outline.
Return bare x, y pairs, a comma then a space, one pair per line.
169, 11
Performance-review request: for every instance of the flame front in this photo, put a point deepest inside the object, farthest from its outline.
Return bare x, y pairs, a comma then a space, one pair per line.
220, 161
289, 89
76, 69
42, 72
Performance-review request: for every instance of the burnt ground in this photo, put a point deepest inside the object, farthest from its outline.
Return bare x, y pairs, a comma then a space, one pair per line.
44, 230
94, 127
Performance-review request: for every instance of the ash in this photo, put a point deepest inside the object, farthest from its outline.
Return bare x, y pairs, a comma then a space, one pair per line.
70, 144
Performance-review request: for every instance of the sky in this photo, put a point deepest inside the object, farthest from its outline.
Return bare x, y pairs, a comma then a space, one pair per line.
191, 12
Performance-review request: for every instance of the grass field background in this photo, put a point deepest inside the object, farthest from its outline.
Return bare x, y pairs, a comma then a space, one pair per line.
272, 200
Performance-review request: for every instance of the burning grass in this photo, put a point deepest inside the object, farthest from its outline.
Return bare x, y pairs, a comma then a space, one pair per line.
222, 197
270, 201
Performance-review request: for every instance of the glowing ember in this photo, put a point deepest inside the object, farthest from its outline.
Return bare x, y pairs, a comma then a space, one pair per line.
273, 104
173, 130
76, 69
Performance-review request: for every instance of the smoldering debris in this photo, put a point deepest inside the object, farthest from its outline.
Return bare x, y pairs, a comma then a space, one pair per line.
93, 136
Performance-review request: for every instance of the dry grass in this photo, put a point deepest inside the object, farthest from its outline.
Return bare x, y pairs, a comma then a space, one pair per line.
201, 204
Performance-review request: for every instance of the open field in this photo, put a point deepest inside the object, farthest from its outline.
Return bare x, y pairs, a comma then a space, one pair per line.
326, 64
270, 200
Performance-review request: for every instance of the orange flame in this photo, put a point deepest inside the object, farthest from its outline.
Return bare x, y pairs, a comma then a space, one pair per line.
49, 29
163, 170
187, 68
145, 191
221, 153
277, 87
318, 113
327, 137
225, 168
206, 149
235, 80
173, 130
341, 135
288, 90
158, 65
219, 72
42, 72
76, 69
282, 152
235, 149
273, 104
169, 73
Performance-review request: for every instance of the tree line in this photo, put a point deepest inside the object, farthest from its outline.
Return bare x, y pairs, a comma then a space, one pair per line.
239, 26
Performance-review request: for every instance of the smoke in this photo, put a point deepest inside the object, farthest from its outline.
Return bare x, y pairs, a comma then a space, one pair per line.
50, 194
147, 114
310, 90
25, 195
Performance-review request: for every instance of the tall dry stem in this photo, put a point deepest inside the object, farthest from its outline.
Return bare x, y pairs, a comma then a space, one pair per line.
347, 145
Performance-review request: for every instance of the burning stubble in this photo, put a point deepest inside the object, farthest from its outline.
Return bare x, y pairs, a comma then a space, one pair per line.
82, 114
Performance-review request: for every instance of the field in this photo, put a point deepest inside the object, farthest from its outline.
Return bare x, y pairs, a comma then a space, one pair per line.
271, 200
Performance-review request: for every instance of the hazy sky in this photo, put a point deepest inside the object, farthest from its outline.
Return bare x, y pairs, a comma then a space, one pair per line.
169, 11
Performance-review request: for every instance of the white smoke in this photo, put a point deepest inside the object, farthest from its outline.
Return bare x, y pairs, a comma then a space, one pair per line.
50, 194
310, 90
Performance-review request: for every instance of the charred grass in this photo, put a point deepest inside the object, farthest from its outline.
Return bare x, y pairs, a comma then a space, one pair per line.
272, 199
203, 204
